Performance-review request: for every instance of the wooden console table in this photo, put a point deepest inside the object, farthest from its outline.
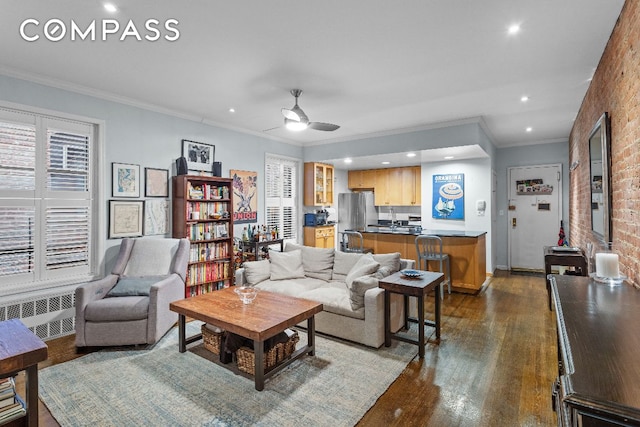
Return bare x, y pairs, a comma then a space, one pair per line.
598, 342
565, 259
21, 350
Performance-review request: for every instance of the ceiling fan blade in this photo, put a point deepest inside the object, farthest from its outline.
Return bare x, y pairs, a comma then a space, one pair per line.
323, 126
290, 114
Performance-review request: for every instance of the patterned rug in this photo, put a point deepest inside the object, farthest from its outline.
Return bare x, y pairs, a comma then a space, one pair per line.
161, 387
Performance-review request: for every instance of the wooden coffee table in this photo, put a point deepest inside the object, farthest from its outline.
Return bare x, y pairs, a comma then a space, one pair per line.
268, 315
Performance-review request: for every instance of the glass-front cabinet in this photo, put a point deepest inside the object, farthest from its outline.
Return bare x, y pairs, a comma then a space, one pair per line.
318, 184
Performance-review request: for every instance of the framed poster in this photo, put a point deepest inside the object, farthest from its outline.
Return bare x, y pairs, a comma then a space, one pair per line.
200, 156
156, 217
125, 218
125, 180
245, 196
156, 182
448, 196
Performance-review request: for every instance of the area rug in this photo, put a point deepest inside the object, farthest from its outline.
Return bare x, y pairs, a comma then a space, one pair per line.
162, 387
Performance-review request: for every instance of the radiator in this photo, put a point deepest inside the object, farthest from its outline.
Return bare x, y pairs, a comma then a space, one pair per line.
48, 313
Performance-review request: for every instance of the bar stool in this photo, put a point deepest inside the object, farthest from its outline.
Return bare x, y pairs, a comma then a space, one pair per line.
352, 241
429, 248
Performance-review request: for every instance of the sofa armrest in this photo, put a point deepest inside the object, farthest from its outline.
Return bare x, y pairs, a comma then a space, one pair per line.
239, 276
86, 293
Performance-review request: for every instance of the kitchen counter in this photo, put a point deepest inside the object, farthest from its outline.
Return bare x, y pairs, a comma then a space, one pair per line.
467, 252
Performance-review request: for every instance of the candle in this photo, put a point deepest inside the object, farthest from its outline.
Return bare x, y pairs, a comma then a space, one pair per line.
607, 265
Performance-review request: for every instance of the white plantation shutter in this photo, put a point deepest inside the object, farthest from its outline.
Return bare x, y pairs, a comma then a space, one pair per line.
281, 200
46, 197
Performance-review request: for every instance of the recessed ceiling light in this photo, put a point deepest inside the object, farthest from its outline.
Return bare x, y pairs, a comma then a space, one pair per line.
232, 110
514, 29
524, 98
110, 7
448, 157
386, 163
348, 160
529, 129
411, 154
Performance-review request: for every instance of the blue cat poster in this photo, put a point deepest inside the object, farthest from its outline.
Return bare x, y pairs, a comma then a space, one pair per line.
448, 196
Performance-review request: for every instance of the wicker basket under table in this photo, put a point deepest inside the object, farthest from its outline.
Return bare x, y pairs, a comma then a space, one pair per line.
246, 358
212, 339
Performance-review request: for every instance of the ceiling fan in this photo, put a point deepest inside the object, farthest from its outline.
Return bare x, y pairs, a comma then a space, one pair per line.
295, 119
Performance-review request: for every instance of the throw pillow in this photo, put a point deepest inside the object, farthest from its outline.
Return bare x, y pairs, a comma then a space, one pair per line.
343, 263
257, 271
357, 289
317, 262
286, 265
383, 271
389, 260
365, 265
134, 286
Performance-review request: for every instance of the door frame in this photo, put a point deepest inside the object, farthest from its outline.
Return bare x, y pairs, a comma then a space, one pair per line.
509, 184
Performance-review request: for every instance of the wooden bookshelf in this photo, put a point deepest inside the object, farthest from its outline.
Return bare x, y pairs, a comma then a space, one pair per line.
202, 212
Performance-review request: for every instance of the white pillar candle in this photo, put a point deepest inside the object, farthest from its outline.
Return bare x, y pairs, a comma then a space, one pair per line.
607, 265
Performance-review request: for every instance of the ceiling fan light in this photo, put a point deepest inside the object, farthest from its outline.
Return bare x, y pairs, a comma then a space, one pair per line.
294, 125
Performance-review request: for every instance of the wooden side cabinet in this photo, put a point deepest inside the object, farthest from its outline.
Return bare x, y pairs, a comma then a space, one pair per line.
320, 237
318, 184
21, 350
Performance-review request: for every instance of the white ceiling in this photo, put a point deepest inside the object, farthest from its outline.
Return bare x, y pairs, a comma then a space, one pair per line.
370, 66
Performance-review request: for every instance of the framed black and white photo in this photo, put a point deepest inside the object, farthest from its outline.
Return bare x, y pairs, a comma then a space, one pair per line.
125, 218
200, 156
156, 182
125, 180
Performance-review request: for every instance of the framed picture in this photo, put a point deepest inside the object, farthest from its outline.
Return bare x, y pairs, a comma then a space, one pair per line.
126, 180
245, 196
156, 182
200, 156
125, 218
156, 217
448, 196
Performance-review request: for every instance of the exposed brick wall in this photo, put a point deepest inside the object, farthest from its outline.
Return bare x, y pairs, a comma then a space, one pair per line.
615, 88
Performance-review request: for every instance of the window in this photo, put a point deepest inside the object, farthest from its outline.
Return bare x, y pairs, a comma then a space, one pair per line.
46, 196
281, 187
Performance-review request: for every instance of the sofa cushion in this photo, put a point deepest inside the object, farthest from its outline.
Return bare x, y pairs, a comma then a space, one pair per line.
358, 287
286, 265
292, 287
365, 265
257, 271
132, 286
334, 300
391, 260
343, 263
317, 262
117, 309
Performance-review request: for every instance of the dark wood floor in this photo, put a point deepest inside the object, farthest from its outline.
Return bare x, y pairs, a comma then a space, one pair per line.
494, 365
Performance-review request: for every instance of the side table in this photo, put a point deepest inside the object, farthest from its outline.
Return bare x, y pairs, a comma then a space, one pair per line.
21, 350
419, 288
565, 258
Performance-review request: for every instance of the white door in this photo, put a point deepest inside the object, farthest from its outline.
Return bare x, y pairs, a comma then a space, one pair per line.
535, 212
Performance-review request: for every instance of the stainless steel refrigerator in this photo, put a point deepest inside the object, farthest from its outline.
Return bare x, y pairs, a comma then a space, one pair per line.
356, 211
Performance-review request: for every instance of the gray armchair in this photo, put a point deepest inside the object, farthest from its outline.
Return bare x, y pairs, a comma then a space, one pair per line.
131, 305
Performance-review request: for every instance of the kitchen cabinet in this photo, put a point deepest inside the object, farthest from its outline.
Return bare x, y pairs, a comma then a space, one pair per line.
320, 237
362, 179
398, 186
318, 184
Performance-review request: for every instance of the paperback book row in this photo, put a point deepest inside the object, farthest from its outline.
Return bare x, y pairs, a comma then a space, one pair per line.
11, 405
204, 273
200, 252
208, 192
207, 287
208, 231
207, 210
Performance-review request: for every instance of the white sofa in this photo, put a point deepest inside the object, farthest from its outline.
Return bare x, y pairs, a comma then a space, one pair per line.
345, 283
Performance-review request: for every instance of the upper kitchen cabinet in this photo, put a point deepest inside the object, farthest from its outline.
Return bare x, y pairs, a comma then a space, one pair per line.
362, 179
318, 184
398, 186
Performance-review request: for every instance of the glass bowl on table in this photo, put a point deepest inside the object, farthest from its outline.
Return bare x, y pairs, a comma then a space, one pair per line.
246, 293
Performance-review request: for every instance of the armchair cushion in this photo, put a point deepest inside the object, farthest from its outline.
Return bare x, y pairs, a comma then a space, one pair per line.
117, 309
134, 286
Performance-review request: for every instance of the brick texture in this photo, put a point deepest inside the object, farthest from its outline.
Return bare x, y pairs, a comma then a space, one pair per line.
615, 88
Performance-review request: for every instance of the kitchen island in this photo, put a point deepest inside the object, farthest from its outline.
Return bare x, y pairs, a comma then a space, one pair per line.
467, 252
